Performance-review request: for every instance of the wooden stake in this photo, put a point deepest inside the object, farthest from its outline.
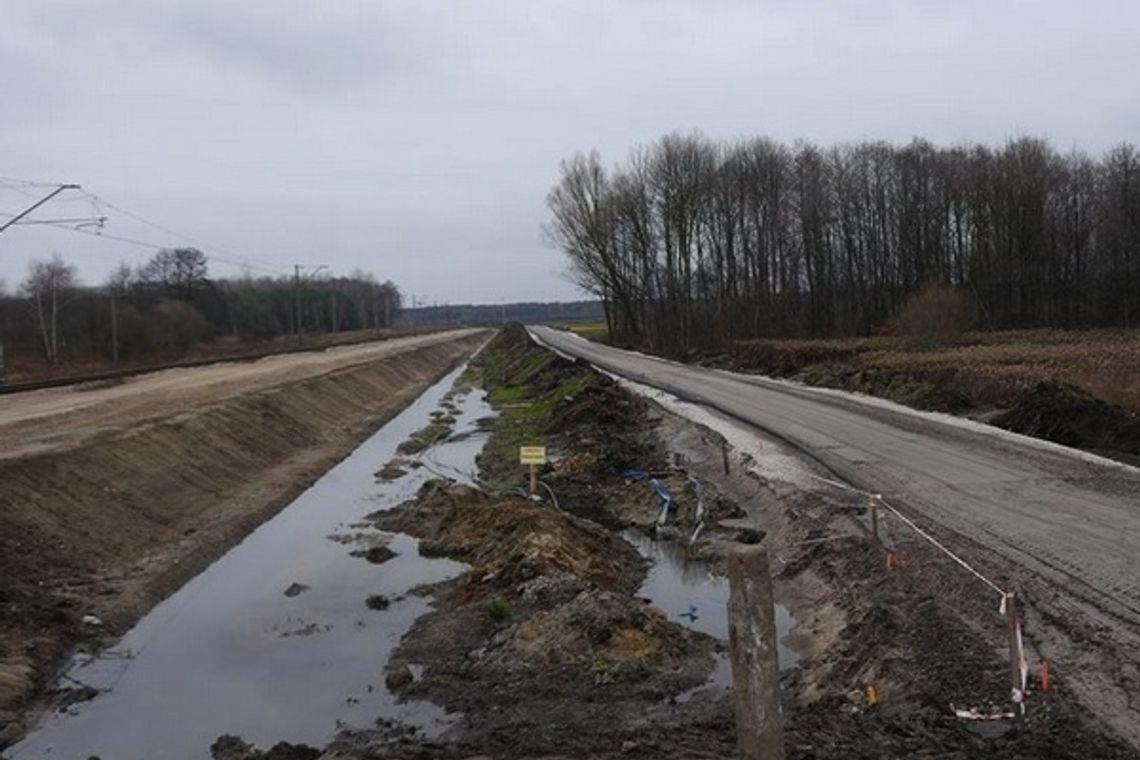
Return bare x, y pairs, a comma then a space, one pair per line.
533, 480
874, 505
724, 455
752, 647
1014, 656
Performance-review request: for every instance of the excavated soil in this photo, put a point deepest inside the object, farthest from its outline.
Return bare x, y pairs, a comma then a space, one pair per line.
1069, 417
98, 526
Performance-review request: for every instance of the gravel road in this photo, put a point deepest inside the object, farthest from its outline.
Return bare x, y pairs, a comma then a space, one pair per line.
1060, 526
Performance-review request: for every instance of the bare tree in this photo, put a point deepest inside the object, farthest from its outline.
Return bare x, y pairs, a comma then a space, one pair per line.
693, 242
180, 272
48, 287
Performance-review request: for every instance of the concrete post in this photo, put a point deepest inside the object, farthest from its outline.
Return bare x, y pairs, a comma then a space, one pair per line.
752, 647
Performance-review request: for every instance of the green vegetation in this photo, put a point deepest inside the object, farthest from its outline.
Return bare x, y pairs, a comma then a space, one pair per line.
498, 608
595, 331
525, 384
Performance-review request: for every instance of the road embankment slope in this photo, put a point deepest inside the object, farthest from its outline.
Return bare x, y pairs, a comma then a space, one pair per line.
113, 496
1060, 526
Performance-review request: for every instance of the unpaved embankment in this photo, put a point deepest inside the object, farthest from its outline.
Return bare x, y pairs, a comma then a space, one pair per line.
113, 497
544, 649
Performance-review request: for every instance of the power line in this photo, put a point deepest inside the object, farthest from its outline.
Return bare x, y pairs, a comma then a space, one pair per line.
98, 204
102, 202
157, 247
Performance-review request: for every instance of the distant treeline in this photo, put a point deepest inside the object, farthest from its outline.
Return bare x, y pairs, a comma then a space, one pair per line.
693, 241
169, 304
493, 314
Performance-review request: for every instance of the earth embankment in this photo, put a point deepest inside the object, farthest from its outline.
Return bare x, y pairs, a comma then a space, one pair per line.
113, 497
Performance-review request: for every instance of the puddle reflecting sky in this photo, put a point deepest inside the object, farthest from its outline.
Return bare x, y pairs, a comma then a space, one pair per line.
689, 594
231, 653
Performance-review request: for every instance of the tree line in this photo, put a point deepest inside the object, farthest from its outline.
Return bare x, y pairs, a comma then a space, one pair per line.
691, 241
170, 303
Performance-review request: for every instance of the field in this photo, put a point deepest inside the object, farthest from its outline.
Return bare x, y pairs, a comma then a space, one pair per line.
993, 369
591, 331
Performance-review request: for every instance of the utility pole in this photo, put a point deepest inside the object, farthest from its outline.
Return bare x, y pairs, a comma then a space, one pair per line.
17, 218
36, 205
114, 330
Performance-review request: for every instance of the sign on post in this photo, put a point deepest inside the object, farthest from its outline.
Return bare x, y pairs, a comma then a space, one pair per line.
532, 456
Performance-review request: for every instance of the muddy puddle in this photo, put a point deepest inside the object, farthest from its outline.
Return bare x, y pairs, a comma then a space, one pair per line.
690, 594
232, 652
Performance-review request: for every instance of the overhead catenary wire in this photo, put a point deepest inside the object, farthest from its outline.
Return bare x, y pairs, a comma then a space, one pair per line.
100, 204
158, 247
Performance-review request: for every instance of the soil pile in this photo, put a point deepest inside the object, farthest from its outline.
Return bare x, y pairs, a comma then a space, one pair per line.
1065, 415
1075, 388
511, 541
544, 633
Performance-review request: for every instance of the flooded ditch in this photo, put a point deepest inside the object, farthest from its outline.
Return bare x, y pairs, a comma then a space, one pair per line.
232, 652
689, 593
287, 636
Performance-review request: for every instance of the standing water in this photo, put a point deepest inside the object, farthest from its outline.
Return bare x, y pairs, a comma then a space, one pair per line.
232, 652
686, 590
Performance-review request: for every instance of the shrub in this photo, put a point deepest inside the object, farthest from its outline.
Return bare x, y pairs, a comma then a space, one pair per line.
178, 325
934, 316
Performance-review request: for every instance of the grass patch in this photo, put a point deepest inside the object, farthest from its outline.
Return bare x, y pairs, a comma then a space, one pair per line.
498, 608
525, 384
595, 331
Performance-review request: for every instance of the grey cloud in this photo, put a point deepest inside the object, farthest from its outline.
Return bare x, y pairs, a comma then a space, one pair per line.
418, 139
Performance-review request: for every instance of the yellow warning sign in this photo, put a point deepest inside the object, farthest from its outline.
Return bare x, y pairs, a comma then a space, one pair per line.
532, 455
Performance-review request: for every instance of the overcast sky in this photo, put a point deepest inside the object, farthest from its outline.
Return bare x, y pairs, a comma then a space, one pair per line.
418, 139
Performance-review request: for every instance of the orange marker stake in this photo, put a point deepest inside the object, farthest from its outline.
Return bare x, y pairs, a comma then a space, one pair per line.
1045, 676
872, 695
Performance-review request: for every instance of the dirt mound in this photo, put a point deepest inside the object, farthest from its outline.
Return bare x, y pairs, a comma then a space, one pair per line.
228, 747
511, 541
1067, 416
598, 627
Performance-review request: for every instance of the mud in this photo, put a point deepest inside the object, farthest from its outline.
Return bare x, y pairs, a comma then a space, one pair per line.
1048, 409
921, 634
1067, 416
566, 635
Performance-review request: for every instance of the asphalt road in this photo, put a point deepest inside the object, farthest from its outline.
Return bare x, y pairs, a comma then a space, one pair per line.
1061, 514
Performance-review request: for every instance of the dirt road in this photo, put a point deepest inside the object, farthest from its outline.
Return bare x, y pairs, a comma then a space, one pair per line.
45, 419
1060, 527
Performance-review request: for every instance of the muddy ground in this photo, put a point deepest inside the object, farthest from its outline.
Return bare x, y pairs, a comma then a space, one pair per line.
546, 650
1077, 389
128, 495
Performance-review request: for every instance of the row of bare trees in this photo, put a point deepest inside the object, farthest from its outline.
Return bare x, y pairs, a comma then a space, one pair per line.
692, 242
170, 303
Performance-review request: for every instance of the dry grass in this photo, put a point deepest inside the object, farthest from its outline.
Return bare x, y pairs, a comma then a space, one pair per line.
991, 367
